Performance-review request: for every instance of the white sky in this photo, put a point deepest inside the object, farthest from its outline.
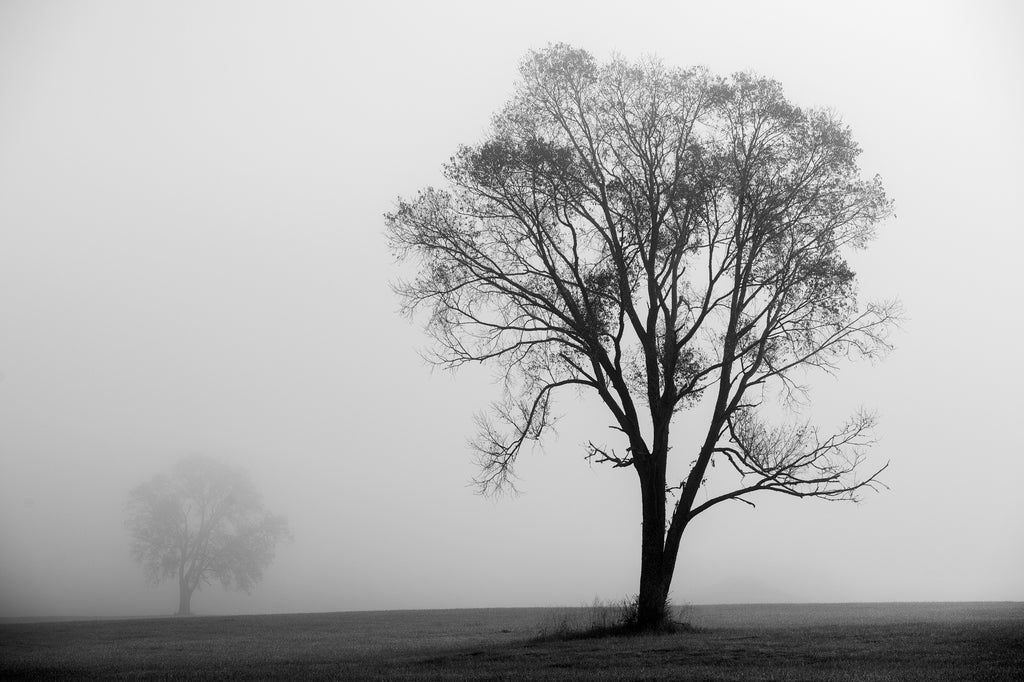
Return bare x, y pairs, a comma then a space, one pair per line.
192, 260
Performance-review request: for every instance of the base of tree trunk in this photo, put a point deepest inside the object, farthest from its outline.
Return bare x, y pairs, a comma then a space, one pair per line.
652, 618
663, 622
665, 626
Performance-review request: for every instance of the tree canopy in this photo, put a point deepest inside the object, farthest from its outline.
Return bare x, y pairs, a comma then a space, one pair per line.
667, 239
200, 522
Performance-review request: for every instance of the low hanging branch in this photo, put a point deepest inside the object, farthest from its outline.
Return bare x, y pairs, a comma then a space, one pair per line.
600, 455
665, 239
796, 460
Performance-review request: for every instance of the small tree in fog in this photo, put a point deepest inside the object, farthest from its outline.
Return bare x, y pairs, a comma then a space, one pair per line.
670, 241
200, 522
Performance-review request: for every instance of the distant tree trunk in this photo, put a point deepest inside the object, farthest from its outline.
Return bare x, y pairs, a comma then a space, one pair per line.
184, 598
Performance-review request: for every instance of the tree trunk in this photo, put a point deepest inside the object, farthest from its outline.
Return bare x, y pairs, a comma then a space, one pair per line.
184, 598
652, 600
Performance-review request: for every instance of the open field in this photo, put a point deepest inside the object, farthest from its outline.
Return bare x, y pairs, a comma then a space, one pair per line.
958, 641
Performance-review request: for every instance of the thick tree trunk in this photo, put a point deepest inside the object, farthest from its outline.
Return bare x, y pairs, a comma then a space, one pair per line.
184, 598
651, 602
652, 612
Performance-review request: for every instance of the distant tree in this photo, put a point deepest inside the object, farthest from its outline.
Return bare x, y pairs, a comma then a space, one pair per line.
202, 521
671, 241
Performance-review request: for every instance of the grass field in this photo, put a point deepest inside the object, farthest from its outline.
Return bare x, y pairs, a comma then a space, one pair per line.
959, 641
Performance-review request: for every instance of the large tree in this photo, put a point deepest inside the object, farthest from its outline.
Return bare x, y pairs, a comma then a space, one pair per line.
202, 521
669, 240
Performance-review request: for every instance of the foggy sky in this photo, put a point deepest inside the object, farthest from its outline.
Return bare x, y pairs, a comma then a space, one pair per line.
192, 261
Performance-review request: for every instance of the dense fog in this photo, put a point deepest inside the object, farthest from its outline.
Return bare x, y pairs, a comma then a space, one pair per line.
192, 262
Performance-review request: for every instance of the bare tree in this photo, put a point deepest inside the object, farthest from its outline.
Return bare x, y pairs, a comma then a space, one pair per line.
667, 239
200, 522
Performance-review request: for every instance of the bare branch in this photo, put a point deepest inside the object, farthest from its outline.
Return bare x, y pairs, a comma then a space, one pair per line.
600, 455
796, 460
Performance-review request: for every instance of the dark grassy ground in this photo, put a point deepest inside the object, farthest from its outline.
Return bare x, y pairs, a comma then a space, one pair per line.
983, 641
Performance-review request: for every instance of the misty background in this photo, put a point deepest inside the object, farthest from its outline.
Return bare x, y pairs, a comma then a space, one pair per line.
192, 261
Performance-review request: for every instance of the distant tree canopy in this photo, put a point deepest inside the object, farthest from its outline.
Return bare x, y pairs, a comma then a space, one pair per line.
202, 521
667, 239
